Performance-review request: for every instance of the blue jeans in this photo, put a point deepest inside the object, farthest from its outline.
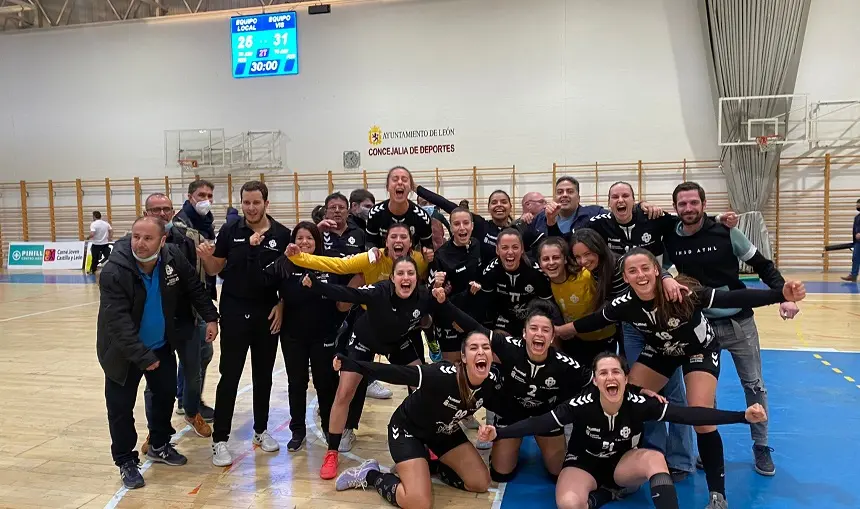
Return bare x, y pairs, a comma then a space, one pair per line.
855, 259
677, 443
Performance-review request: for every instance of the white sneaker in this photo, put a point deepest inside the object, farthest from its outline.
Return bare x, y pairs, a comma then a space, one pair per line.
221, 456
266, 442
376, 390
347, 440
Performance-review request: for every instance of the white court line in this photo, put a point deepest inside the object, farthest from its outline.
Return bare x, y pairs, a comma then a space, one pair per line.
28, 315
311, 423
117, 497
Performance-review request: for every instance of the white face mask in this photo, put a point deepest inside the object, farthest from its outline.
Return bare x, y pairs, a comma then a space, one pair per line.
203, 207
147, 259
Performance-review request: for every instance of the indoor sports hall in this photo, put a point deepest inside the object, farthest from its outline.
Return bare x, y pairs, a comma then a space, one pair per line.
110, 101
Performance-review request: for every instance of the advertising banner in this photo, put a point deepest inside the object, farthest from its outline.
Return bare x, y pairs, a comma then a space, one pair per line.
46, 255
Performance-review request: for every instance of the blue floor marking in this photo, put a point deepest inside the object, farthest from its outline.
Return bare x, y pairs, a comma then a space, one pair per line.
817, 286
814, 430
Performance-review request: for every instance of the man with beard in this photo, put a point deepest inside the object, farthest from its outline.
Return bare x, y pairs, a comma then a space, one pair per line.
251, 314
142, 289
709, 252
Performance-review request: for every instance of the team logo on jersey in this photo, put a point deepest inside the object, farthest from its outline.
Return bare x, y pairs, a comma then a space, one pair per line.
395, 433
168, 270
674, 322
273, 244
625, 432
172, 276
416, 313
529, 288
715, 356
635, 398
574, 299
592, 432
479, 403
646, 237
351, 240
550, 382
621, 299
448, 370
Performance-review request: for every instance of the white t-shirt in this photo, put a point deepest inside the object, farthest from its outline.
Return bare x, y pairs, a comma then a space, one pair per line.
100, 230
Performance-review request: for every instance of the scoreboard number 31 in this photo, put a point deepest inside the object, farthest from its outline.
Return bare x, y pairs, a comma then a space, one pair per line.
247, 41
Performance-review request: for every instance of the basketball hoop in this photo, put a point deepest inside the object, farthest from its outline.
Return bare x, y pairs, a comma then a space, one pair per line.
187, 164
767, 143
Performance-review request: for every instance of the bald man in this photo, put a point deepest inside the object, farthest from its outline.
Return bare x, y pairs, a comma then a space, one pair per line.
141, 287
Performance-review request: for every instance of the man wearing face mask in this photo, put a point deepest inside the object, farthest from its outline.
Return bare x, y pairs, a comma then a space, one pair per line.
434, 213
142, 287
194, 222
855, 259
189, 378
360, 203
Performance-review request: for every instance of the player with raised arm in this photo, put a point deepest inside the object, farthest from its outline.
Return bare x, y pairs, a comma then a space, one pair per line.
399, 209
678, 334
395, 308
429, 420
607, 420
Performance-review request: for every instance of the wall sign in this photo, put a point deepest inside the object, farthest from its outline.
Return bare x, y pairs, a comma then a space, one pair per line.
411, 142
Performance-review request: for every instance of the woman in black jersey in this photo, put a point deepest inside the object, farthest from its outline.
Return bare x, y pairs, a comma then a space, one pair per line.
395, 308
509, 283
678, 335
308, 332
608, 421
486, 232
536, 377
456, 267
398, 208
429, 420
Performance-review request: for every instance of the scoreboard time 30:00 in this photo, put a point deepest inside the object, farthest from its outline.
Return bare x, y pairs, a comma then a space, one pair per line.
264, 45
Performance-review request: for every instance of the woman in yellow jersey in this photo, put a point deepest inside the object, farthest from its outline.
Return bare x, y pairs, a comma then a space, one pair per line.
374, 265
576, 294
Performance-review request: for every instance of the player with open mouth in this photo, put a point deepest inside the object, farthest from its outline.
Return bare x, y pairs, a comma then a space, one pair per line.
395, 308
536, 377
429, 420
399, 209
607, 423
677, 334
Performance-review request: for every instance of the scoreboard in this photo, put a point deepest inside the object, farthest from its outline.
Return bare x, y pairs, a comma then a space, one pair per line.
264, 45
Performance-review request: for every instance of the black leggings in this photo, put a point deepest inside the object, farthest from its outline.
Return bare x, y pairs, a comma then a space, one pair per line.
297, 354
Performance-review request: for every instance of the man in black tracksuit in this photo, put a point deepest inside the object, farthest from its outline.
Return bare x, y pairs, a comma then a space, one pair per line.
142, 286
251, 314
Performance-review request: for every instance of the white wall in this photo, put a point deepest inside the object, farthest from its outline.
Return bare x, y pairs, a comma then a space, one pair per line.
530, 84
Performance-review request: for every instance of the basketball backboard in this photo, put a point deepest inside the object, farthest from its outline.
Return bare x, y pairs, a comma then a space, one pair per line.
835, 123
743, 119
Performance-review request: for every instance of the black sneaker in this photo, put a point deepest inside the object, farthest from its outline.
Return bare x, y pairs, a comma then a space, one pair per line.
131, 476
207, 413
296, 442
166, 454
763, 461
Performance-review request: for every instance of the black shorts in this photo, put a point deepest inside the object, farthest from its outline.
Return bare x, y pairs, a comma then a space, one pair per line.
449, 339
402, 353
404, 445
707, 360
502, 421
602, 469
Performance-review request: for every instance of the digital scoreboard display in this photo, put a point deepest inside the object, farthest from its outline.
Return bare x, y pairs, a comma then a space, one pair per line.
264, 45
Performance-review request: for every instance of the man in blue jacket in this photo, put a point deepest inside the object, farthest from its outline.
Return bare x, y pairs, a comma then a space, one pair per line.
855, 259
141, 288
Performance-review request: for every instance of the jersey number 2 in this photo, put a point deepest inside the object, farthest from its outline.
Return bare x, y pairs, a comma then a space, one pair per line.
532, 391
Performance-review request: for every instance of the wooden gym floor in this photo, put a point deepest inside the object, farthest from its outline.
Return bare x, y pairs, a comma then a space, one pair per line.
55, 447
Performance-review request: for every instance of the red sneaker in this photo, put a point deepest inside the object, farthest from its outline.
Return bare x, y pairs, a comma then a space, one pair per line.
329, 466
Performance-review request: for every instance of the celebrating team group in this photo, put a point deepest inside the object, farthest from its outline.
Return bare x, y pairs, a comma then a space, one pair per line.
565, 324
